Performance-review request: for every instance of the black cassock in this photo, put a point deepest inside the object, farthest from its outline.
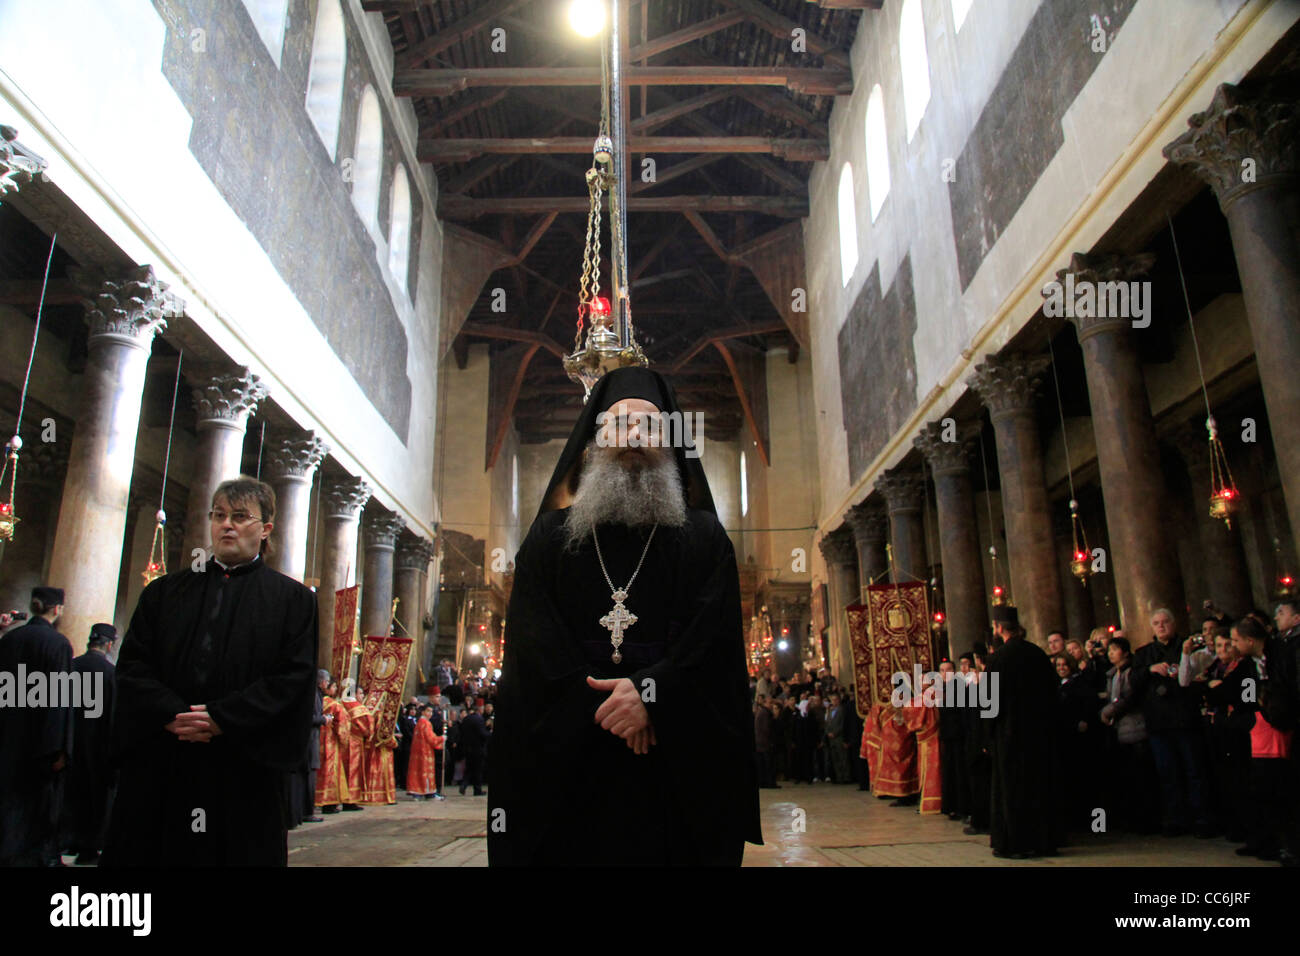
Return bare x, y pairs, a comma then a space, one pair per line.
561, 789
243, 642
30, 740
1023, 817
88, 796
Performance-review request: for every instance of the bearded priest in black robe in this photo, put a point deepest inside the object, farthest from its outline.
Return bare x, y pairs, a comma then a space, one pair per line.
216, 683
624, 733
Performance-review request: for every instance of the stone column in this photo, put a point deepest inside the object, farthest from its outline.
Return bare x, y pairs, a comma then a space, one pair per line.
904, 494
124, 317
223, 402
380, 529
413, 556
959, 541
1219, 547
1007, 384
17, 163
290, 458
842, 590
870, 526
42, 467
1247, 147
1078, 602
342, 499
1143, 559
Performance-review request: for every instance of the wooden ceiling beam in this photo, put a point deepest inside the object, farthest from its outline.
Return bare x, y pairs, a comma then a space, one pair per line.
770, 101
459, 150
471, 104
680, 108
675, 171
487, 331
781, 27
660, 244
707, 234
463, 207
445, 82
743, 394
685, 35
721, 335
453, 33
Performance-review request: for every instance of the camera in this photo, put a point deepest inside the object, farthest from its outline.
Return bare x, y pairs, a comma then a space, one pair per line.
17, 615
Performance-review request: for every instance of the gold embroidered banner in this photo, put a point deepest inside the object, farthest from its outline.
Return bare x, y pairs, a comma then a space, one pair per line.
384, 662
890, 633
345, 632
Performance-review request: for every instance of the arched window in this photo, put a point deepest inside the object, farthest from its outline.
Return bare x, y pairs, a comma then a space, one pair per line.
848, 225
959, 10
915, 63
877, 151
366, 157
744, 487
514, 486
399, 230
329, 54
269, 16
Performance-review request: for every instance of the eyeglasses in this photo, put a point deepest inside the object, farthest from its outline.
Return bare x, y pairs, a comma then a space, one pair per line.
238, 517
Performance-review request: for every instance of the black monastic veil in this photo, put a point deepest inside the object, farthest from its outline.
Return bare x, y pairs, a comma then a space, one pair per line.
562, 790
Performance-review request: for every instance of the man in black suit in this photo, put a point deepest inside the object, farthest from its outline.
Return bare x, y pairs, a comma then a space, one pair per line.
91, 777
473, 743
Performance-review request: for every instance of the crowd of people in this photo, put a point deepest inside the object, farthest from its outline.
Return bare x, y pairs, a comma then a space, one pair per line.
1182, 735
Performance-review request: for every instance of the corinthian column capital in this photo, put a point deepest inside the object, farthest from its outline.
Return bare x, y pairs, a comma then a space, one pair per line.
291, 453
869, 523
902, 490
414, 552
17, 163
345, 497
228, 397
838, 548
1247, 138
131, 308
1007, 383
946, 457
1108, 277
381, 528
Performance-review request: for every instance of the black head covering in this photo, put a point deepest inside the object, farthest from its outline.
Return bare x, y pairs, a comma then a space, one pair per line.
102, 634
615, 385
47, 595
1006, 614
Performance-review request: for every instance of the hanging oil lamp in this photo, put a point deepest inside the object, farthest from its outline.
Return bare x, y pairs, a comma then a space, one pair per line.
1080, 566
999, 595
1223, 490
157, 566
8, 518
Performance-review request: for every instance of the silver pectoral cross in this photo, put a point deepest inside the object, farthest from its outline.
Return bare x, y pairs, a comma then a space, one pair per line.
617, 621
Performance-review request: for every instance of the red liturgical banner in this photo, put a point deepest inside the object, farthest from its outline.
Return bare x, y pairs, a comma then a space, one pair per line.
890, 634
345, 632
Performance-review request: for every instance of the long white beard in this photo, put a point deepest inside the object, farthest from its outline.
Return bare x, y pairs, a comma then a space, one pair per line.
609, 493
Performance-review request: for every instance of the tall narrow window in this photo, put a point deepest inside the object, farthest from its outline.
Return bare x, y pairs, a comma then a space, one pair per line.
329, 53
370, 148
269, 17
877, 151
959, 10
848, 225
744, 487
915, 64
399, 232
514, 487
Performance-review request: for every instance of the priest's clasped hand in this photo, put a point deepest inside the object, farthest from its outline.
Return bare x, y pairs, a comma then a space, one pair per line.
196, 726
623, 714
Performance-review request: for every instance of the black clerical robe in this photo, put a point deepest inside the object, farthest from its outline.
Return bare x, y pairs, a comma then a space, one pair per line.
1023, 817
562, 790
243, 642
89, 788
31, 739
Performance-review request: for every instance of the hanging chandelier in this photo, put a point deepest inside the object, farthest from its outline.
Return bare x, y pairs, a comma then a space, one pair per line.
610, 340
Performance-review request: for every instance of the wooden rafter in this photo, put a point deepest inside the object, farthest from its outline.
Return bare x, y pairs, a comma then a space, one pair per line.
781, 27
460, 150
445, 82
488, 331
685, 35
453, 33
459, 207
721, 335
746, 401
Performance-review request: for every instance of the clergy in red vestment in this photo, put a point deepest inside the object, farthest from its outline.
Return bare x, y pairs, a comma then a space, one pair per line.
380, 786
361, 724
421, 775
889, 747
331, 780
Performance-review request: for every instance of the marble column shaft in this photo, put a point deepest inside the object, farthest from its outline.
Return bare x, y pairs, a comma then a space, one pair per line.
1143, 559
223, 402
842, 590
1247, 147
1220, 551
413, 556
870, 526
964, 598
904, 494
342, 501
291, 458
1007, 385
380, 529
124, 317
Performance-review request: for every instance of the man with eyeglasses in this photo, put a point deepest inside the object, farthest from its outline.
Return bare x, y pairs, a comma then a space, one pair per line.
215, 701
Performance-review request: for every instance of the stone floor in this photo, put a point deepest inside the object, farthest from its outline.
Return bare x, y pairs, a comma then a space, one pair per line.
840, 826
